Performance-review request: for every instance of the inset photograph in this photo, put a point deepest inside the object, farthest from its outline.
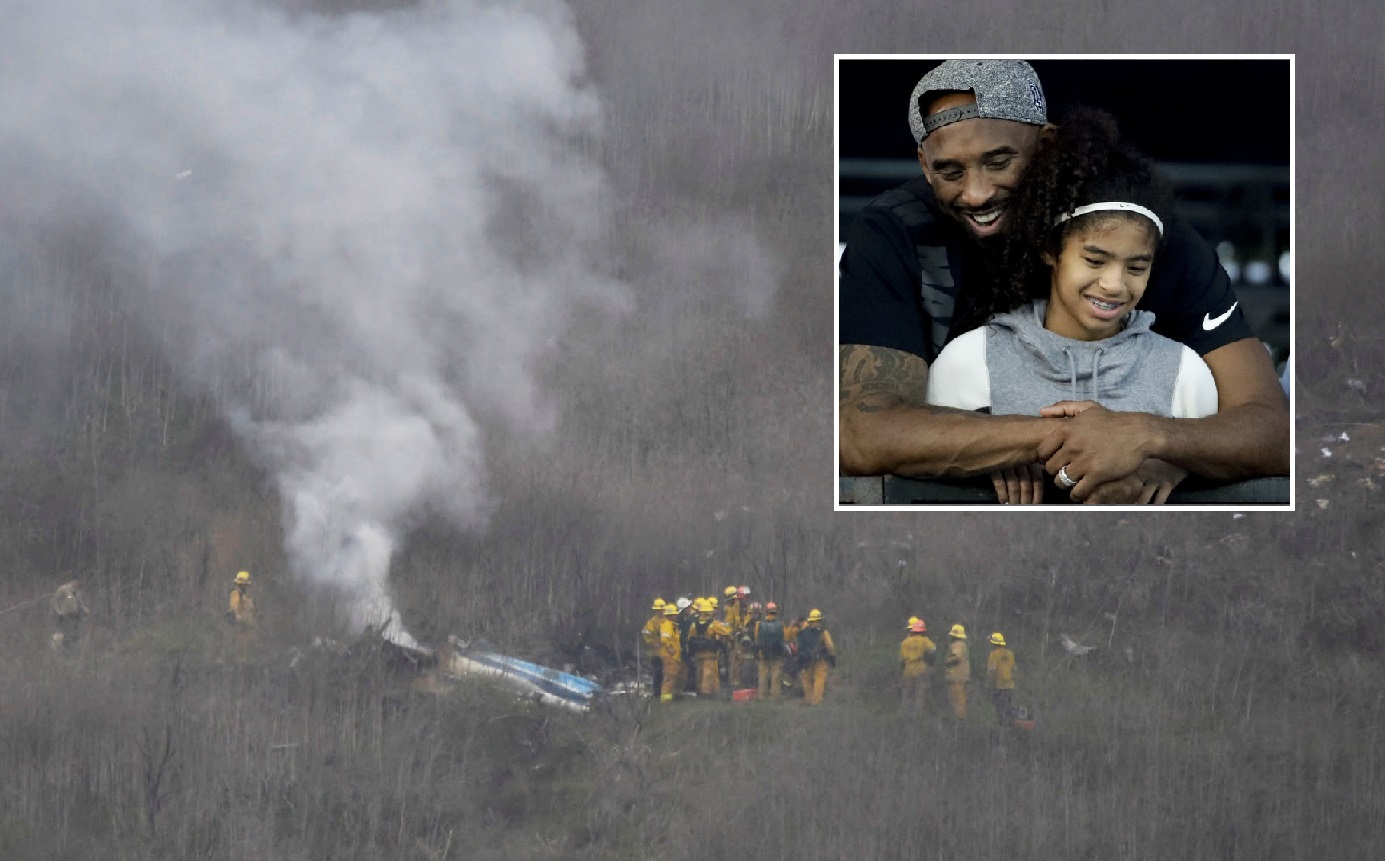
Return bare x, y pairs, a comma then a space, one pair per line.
1064, 281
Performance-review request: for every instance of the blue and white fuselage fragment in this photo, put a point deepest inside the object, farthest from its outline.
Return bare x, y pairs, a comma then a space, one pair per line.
544, 684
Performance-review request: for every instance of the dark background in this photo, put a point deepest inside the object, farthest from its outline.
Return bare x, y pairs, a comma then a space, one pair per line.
1175, 110
1220, 130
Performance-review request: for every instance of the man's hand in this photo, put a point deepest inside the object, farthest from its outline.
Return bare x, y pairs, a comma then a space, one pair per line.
1020, 485
1095, 445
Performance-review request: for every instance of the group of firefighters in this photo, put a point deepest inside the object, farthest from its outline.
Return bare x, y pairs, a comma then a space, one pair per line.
918, 655
69, 608
693, 643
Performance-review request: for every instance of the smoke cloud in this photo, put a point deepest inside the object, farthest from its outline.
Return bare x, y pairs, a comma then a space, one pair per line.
360, 233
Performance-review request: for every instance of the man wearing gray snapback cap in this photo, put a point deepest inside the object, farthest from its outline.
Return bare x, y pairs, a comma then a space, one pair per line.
920, 254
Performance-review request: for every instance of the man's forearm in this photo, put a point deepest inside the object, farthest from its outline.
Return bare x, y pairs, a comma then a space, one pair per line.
932, 441
1249, 435
1243, 442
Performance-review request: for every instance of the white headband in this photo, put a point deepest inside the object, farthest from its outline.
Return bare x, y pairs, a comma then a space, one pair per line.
1116, 206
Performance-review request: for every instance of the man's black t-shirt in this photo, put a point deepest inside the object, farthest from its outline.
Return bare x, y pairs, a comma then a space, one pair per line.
906, 270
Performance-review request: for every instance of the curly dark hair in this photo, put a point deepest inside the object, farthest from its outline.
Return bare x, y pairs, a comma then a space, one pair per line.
1085, 162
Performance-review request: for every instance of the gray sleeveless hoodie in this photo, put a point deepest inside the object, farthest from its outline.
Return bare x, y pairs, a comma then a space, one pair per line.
1134, 370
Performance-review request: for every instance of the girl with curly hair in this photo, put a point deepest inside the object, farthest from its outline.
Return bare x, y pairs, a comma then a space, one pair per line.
1061, 320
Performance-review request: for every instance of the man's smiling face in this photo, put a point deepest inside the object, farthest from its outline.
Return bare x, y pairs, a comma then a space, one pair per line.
975, 165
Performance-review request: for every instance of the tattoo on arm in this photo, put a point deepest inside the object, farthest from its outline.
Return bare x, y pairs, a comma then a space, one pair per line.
877, 378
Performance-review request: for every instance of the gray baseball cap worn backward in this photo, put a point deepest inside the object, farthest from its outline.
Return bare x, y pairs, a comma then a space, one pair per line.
1004, 90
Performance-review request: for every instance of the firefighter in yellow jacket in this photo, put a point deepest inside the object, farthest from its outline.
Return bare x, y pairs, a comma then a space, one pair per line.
653, 644
733, 609
743, 652
817, 652
670, 653
734, 613
957, 670
1000, 672
706, 639
241, 614
916, 654
767, 639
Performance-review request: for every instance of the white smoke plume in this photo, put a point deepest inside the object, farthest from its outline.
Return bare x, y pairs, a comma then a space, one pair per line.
359, 232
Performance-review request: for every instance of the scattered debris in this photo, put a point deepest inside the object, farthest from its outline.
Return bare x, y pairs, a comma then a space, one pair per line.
1323, 503
635, 689
1074, 648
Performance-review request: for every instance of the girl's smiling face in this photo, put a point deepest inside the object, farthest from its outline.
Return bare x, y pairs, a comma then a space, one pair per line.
1100, 274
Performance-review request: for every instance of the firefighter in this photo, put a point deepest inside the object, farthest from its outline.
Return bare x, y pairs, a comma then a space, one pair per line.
722, 655
767, 639
816, 653
733, 608
734, 618
957, 670
705, 641
792, 663
916, 654
69, 609
1000, 672
687, 614
651, 634
242, 608
670, 653
744, 648
241, 614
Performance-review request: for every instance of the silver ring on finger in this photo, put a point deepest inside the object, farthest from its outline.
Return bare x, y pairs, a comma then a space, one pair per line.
1065, 479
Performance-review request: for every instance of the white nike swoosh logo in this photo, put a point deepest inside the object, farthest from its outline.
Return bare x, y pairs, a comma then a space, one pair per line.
1209, 322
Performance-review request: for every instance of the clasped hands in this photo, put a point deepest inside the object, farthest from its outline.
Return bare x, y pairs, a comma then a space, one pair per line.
1104, 454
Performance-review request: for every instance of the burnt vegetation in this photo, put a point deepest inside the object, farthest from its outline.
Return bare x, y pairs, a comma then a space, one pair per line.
1231, 709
